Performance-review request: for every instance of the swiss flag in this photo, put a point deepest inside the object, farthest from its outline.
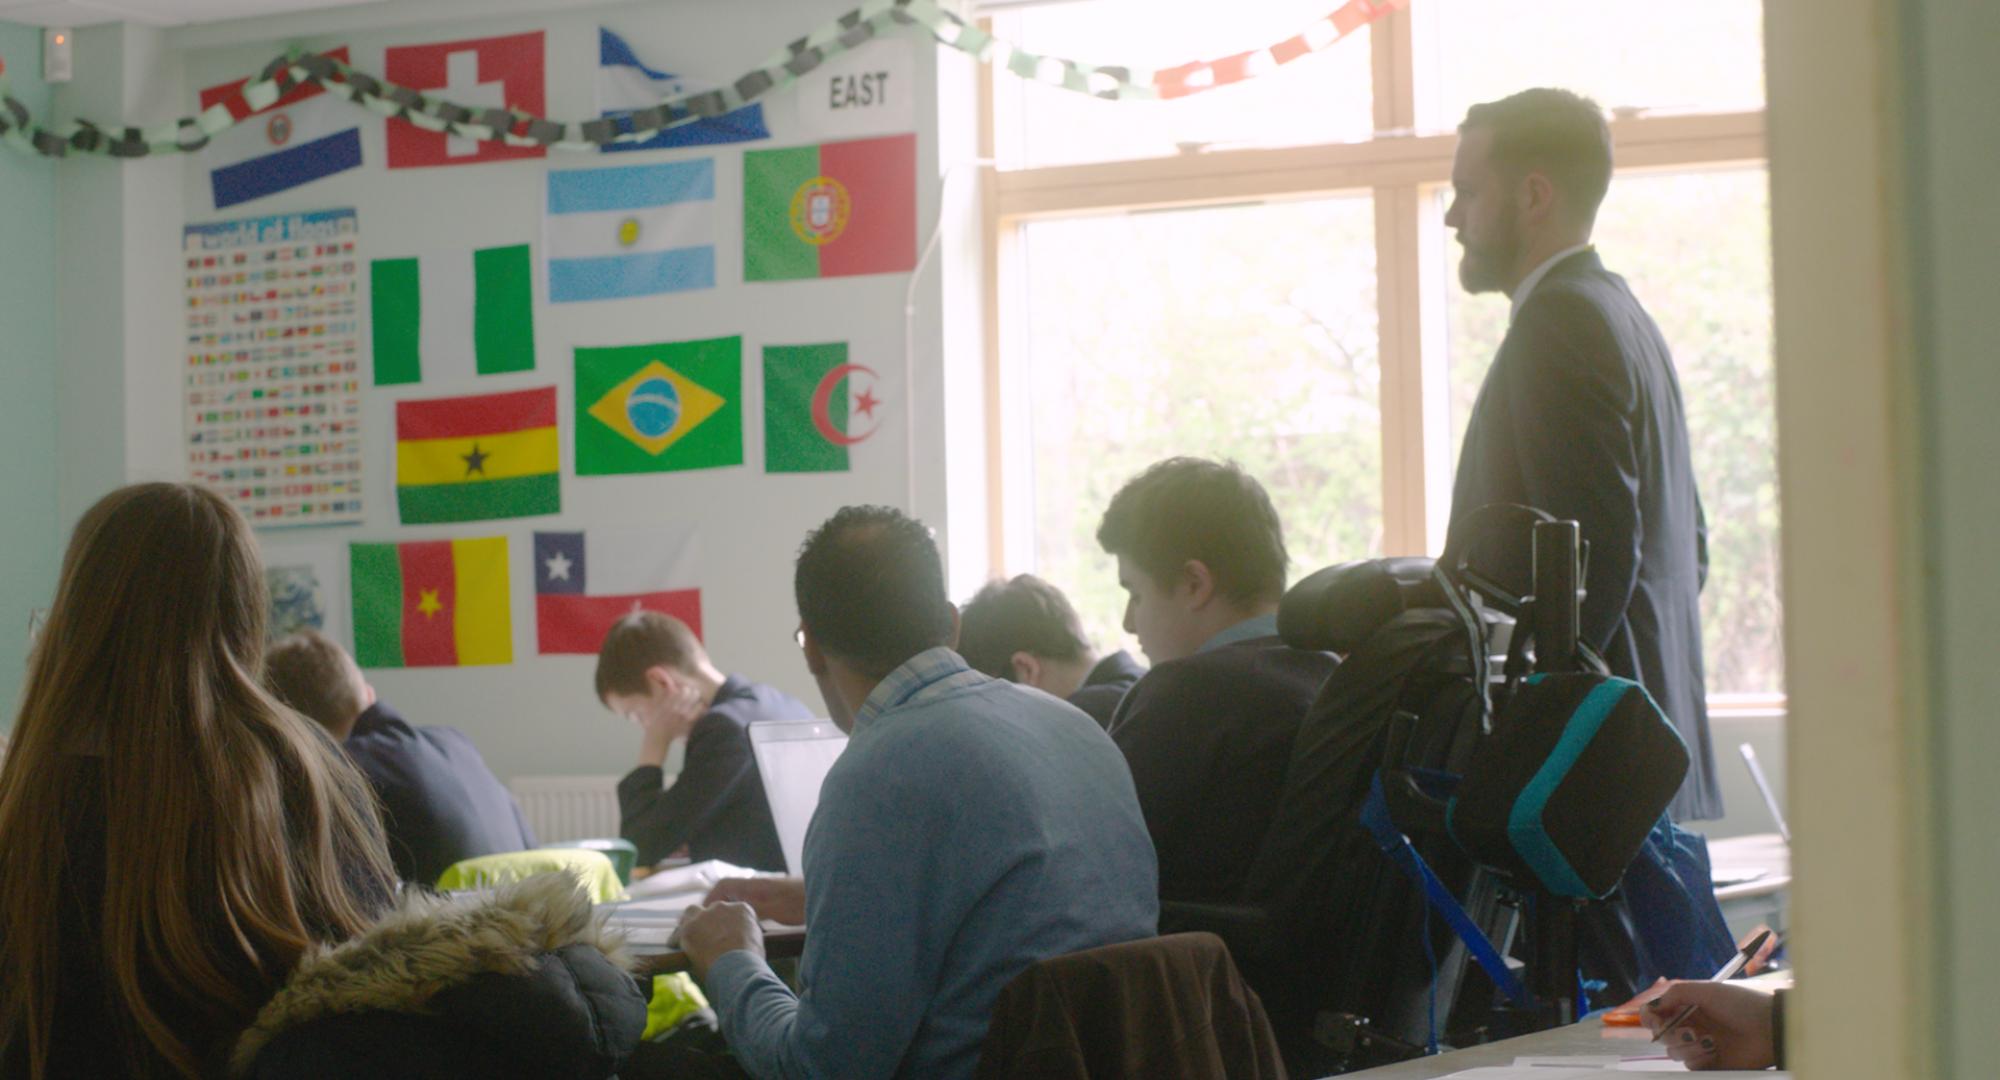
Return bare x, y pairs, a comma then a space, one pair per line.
497, 72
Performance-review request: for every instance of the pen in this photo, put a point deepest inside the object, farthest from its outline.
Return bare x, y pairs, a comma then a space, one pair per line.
1727, 973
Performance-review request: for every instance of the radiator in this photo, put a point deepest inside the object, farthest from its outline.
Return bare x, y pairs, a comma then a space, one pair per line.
568, 807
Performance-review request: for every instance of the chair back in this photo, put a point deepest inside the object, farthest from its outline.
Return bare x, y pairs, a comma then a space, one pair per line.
1165, 1008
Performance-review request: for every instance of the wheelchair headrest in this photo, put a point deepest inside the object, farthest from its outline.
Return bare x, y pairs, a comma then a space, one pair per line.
1335, 609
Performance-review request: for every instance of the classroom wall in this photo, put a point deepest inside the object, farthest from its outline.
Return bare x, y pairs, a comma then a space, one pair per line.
538, 715
28, 533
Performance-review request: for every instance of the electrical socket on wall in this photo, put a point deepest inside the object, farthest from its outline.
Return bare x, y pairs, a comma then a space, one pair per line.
58, 55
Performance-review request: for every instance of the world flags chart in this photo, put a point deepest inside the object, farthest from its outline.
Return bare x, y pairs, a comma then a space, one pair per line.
440, 603
659, 408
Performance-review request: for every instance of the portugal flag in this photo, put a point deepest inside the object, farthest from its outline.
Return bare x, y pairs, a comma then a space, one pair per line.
816, 406
830, 211
436, 604
475, 458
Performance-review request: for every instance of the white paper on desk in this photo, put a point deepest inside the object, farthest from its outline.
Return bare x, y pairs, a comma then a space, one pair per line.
1649, 1063
692, 881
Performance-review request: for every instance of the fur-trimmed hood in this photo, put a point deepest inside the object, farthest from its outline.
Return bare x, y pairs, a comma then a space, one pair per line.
525, 974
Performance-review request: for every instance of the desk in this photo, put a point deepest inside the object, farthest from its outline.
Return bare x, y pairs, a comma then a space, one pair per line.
1586, 1038
1762, 900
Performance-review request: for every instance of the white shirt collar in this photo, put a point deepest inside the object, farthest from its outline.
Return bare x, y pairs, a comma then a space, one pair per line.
1536, 275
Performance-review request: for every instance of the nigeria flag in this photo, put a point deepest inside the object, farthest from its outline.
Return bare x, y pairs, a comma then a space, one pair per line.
455, 315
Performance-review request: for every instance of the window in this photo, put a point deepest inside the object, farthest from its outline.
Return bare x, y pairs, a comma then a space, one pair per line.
1261, 272
1240, 332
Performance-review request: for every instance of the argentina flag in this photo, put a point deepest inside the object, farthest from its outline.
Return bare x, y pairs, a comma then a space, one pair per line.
634, 230
625, 84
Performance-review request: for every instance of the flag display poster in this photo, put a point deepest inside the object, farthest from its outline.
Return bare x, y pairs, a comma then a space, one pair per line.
626, 83
485, 73
273, 380
585, 581
440, 603
659, 408
816, 406
832, 210
306, 135
632, 230
452, 316
477, 458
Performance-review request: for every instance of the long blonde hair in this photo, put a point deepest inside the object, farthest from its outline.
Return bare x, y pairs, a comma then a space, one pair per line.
235, 833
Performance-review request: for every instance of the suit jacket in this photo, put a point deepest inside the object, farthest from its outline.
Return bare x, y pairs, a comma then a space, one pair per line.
1581, 416
717, 805
1208, 738
1106, 685
440, 803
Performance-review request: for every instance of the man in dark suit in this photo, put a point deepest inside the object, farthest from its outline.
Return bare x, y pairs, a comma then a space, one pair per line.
1025, 631
1581, 412
1208, 732
652, 669
440, 803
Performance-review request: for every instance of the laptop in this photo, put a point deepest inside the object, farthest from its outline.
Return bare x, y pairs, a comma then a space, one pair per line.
793, 757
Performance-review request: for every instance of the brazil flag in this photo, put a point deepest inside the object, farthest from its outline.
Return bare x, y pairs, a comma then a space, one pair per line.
659, 408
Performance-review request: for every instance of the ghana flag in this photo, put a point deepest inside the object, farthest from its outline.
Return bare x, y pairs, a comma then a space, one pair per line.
441, 603
479, 457
831, 210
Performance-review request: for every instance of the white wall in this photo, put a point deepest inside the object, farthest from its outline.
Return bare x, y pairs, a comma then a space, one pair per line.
537, 715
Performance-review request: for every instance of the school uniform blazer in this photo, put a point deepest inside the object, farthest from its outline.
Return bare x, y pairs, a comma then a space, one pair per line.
1581, 416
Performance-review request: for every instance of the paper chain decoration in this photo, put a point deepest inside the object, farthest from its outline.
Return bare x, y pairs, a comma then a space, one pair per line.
516, 128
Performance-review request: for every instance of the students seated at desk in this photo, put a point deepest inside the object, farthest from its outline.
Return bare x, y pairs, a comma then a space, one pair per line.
1209, 731
653, 670
440, 803
1025, 631
970, 828
177, 842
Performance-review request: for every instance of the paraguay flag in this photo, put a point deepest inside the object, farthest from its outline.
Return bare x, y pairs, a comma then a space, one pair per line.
434, 604
584, 582
624, 84
303, 136
634, 230
832, 210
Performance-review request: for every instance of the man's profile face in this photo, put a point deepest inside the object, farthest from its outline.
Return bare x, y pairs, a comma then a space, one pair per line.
1157, 614
1484, 216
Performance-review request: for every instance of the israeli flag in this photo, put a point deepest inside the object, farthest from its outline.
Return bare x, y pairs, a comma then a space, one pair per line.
624, 84
635, 230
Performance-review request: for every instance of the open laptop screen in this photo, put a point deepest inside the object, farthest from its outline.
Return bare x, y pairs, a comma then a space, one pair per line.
793, 757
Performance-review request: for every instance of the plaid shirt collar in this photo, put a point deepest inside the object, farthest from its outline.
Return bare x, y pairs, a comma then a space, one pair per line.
929, 675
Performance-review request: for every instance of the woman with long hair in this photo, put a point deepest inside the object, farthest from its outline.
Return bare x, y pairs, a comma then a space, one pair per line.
172, 840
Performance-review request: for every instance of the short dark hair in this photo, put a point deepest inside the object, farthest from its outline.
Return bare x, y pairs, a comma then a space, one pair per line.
638, 642
1558, 133
870, 588
310, 674
1027, 615
1187, 508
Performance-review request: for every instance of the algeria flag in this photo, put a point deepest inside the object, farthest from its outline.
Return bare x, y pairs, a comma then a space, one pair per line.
817, 405
453, 316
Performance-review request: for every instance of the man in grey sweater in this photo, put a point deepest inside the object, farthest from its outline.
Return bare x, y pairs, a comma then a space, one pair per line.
970, 829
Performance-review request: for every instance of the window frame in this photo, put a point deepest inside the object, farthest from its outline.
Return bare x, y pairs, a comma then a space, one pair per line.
1402, 170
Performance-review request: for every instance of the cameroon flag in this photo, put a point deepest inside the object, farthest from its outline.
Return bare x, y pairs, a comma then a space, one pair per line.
659, 408
479, 457
832, 210
437, 604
